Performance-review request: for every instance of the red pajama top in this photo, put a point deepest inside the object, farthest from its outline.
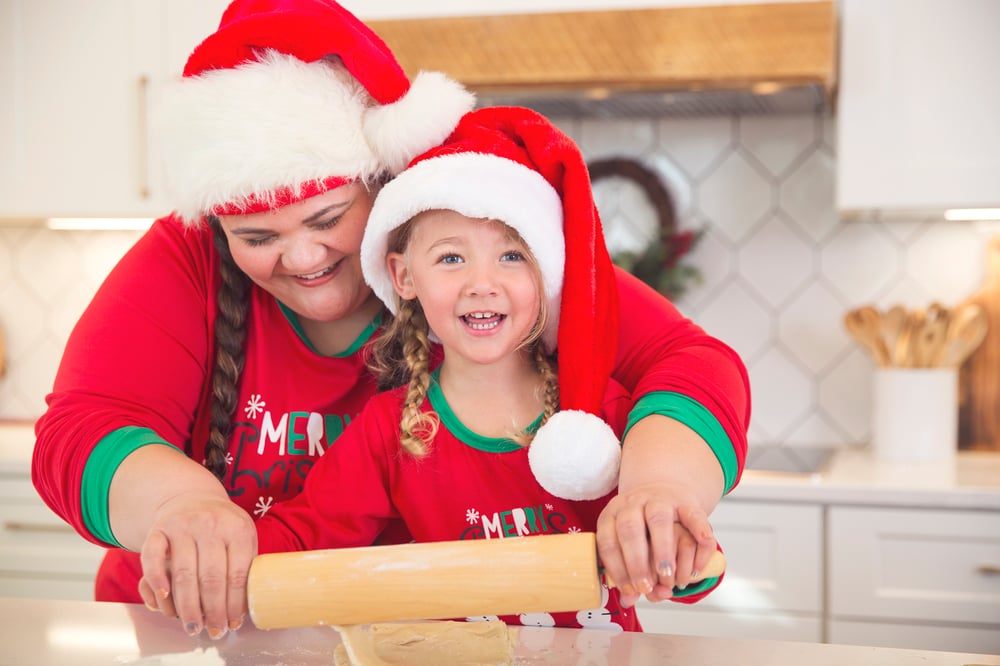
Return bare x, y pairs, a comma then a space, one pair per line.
137, 370
466, 487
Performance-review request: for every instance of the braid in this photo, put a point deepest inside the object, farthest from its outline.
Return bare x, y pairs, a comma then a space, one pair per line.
401, 357
230, 332
418, 427
550, 399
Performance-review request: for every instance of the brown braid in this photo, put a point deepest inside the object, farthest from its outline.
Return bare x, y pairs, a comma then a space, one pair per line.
230, 333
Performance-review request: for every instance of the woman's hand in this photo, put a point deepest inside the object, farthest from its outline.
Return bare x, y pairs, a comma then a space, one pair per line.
652, 538
195, 562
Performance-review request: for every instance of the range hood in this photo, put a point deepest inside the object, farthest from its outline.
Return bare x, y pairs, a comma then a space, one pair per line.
673, 61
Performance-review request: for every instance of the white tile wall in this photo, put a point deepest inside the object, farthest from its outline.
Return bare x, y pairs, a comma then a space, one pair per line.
779, 268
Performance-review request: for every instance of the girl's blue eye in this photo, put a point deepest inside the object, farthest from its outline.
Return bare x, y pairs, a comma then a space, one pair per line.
512, 255
450, 259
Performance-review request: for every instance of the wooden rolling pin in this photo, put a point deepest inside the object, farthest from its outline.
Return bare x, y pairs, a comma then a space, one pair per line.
428, 581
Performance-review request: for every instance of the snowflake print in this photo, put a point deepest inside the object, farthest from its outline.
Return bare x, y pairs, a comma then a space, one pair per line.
471, 516
229, 458
263, 506
254, 406
574, 530
548, 506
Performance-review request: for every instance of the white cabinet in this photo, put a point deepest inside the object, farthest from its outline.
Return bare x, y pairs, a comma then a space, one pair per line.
917, 122
773, 586
40, 555
926, 579
77, 79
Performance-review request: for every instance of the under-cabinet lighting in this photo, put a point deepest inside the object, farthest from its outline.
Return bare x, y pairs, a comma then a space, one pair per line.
967, 214
99, 223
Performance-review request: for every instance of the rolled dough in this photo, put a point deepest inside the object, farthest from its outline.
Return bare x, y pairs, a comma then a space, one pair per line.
488, 643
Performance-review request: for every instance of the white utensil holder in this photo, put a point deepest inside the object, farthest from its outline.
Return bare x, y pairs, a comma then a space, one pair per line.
915, 417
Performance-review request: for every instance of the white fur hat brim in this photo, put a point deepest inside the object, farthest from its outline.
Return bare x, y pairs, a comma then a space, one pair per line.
477, 185
238, 135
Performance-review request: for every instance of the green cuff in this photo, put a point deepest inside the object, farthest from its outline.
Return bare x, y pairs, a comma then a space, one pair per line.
695, 416
100, 469
697, 588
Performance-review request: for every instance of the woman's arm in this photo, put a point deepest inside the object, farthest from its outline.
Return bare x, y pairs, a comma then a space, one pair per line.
685, 447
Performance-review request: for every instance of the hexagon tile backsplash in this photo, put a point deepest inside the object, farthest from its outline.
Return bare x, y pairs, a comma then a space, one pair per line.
778, 268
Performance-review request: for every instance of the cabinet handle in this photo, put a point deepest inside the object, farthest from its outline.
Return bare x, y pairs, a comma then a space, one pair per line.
15, 526
988, 570
142, 168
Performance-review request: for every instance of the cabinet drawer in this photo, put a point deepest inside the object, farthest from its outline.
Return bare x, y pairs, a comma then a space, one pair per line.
774, 557
953, 638
671, 618
936, 566
33, 541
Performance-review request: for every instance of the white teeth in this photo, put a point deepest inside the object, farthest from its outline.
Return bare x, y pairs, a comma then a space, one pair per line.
483, 325
481, 315
313, 276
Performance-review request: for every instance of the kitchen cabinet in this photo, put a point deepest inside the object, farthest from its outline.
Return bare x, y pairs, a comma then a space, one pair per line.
773, 586
40, 555
80, 78
917, 125
862, 552
927, 579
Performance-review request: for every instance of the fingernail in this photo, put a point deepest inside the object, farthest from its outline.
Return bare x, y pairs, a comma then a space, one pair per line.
236, 624
192, 628
665, 569
694, 574
628, 590
707, 534
215, 633
645, 587
151, 606
163, 592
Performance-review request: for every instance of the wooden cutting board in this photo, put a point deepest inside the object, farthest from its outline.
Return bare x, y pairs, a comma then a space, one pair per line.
979, 376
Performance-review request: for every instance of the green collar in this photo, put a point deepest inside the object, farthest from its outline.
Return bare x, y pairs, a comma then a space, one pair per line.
458, 429
365, 335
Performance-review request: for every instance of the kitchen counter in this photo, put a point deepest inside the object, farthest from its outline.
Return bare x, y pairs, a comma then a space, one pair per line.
65, 633
854, 476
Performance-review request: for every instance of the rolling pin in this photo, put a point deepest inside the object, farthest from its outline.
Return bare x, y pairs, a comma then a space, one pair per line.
428, 581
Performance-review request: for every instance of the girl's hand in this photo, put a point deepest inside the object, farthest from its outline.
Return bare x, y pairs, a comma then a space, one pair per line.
195, 562
651, 539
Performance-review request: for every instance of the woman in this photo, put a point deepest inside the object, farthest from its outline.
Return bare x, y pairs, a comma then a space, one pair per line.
224, 353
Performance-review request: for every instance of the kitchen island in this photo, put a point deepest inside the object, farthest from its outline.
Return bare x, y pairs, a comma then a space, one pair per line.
64, 633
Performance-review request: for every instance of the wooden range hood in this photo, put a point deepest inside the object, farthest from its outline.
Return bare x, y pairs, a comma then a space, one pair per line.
752, 58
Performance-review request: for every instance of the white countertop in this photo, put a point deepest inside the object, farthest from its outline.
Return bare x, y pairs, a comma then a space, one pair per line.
971, 481
42, 632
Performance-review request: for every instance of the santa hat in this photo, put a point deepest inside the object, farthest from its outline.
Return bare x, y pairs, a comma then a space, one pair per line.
513, 165
265, 116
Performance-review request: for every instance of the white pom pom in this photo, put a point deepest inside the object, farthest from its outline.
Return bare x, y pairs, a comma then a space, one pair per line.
575, 455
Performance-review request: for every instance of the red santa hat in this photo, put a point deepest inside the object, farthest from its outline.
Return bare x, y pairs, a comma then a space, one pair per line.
291, 98
513, 165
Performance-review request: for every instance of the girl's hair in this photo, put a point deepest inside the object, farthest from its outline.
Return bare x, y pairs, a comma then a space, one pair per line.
401, 356
230, 333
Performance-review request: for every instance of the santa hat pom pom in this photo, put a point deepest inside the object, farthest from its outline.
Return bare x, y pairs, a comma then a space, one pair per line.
575, 456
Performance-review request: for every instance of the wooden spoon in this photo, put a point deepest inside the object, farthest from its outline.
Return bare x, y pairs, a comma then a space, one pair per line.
929, 337
863, 324
893, 323
966, 331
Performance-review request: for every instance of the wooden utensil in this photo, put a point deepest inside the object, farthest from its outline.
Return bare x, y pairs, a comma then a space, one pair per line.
966, 331
928, 338
863, 324
428, 581
979, 376
892, 325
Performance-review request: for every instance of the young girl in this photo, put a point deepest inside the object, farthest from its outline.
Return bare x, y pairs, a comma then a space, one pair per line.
468, 247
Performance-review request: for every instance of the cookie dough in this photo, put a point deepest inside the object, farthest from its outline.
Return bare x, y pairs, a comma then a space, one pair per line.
488, 643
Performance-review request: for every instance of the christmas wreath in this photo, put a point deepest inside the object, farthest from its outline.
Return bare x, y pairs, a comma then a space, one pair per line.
659, 265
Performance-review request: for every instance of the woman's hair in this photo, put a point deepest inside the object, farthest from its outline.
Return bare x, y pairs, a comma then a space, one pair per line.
230, 333
401, 356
